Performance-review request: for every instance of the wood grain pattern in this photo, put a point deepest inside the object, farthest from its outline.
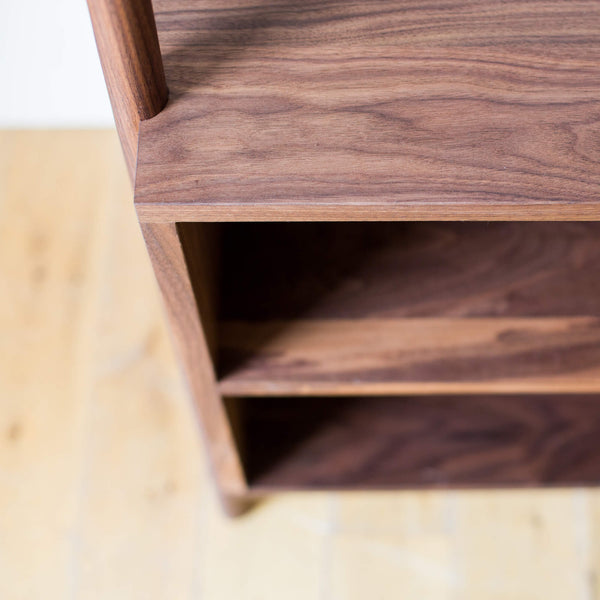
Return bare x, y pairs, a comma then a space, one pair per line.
380, 308
284, 271
341, 110
127, 41
411, 356
199, 242
168, 259
380, 443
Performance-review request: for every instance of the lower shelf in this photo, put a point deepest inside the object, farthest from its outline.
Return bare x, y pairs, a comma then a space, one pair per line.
416, 442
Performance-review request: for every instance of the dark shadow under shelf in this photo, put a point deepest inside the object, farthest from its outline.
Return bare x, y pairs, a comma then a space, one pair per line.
417, 442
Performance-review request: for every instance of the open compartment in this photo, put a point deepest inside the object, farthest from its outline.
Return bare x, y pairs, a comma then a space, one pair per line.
404, 308
414, 442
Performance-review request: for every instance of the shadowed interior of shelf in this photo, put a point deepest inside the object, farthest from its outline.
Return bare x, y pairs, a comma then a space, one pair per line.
412, 442
407, 308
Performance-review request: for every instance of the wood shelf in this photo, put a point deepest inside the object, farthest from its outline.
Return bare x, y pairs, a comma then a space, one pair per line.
407, 442
346, 110
392, 308
413, 356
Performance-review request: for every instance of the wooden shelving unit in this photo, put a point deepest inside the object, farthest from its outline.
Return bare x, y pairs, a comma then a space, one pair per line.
375, 229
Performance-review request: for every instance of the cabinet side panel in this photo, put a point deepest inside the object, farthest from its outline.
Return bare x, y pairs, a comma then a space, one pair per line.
168, 259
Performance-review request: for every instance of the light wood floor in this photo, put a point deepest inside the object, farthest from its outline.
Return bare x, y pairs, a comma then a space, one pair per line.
103, 487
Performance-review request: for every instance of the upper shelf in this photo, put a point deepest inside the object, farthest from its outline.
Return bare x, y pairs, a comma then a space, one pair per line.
388, 109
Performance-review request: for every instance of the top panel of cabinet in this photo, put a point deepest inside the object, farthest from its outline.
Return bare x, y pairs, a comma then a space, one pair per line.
379, 110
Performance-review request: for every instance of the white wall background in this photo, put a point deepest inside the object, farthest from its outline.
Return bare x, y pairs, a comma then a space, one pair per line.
50, 75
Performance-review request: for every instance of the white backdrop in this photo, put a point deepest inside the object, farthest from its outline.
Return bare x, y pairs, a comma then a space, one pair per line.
50, 75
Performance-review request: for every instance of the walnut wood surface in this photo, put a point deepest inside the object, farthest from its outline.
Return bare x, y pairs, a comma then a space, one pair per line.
284, 271
380, 308
411, 356
168, 259
127, 42
322, 443
340, 110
